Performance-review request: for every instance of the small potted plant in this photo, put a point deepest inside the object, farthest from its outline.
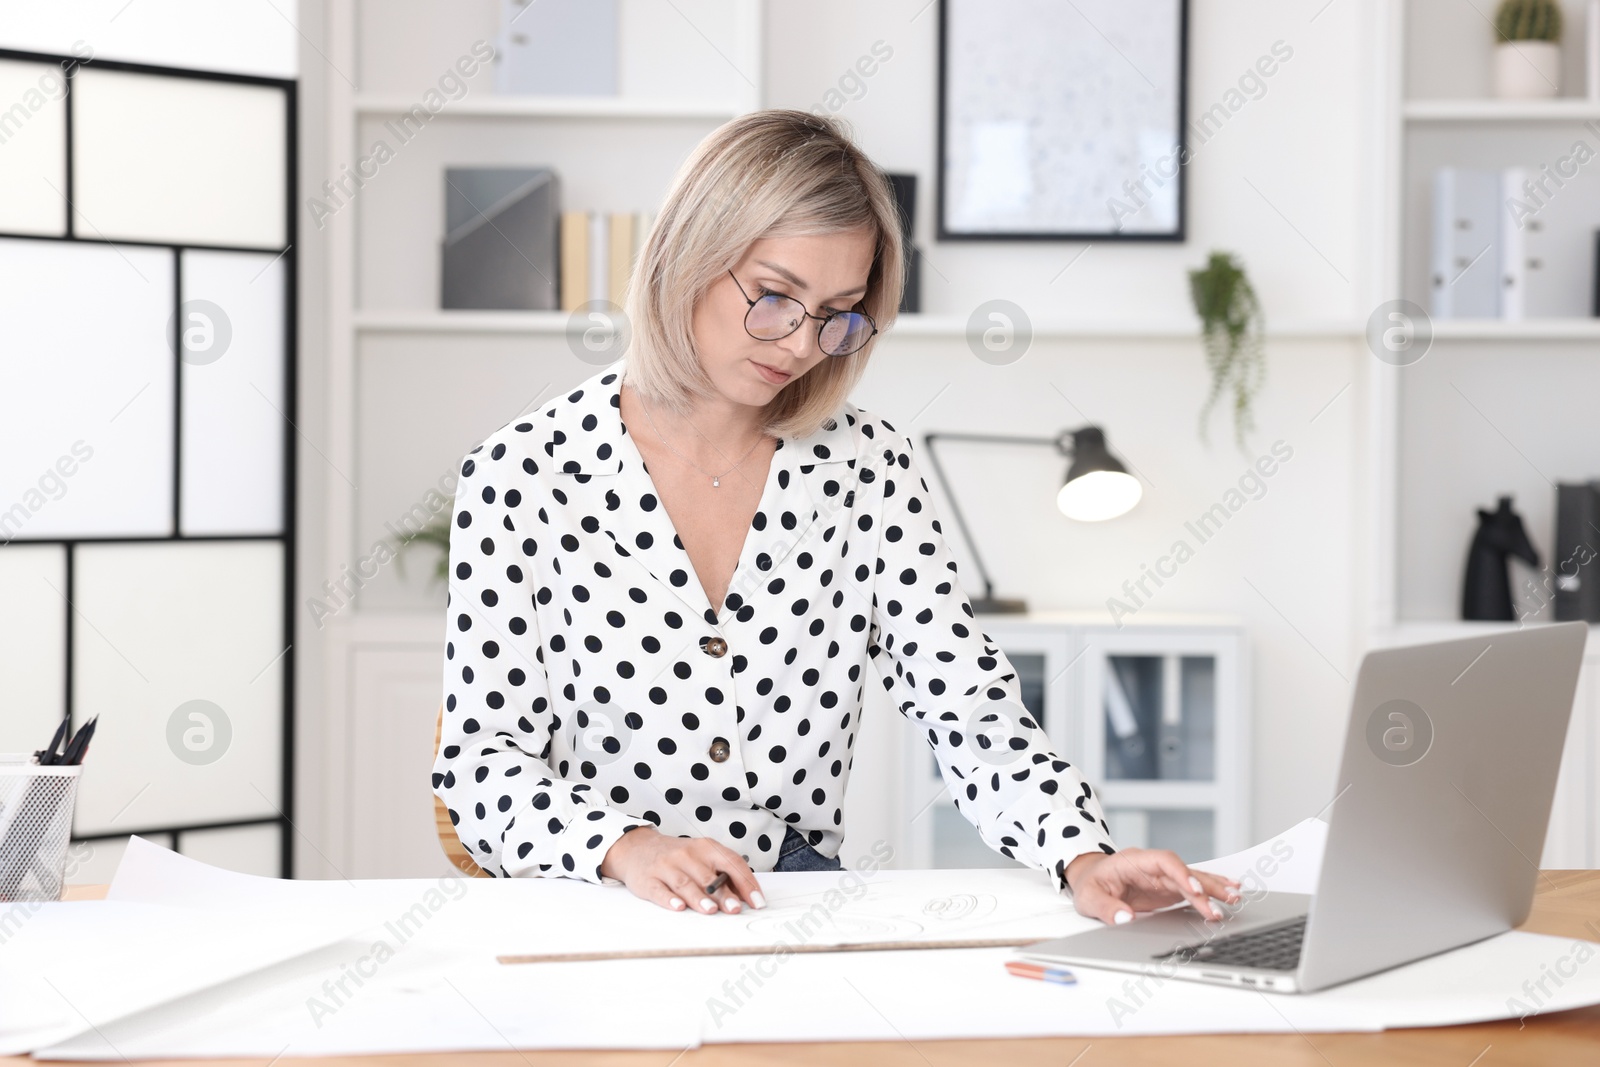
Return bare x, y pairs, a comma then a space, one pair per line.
435, 532
1232, 328
1527, 51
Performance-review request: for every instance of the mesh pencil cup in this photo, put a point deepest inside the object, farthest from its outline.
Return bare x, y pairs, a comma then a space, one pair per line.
35, 825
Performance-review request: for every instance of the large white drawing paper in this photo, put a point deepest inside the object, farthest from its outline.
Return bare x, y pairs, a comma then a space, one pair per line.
348, 999
439, 988
1287, 863
67, 967
969, 994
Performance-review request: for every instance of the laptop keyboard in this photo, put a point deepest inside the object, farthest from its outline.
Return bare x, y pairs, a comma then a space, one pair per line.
1271, 948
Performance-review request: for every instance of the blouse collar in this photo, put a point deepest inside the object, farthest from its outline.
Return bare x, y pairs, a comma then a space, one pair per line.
587, 439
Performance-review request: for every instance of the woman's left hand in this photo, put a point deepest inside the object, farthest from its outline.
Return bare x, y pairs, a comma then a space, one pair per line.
1111, 887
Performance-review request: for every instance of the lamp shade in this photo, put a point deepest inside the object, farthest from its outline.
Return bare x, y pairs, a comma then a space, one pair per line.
1098, 486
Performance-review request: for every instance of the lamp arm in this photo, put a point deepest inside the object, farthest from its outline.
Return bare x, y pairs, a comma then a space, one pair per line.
955, 508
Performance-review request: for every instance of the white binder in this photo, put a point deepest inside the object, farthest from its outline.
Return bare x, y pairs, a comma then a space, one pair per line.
600, 256
1527, 282
1466, 279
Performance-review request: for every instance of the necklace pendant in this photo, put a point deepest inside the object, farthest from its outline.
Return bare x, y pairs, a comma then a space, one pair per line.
716, 482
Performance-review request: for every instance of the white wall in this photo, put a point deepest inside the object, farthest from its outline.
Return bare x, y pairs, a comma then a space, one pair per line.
1283, 184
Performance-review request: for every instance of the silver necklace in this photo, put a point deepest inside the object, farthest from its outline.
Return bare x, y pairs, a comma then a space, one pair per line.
716, 479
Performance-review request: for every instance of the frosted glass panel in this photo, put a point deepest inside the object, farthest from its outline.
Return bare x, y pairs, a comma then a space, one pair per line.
233, 393
95, 862
956, 842
240, 38
86, 409
178, 648
33, 148
33, 579
247, 849
1188, 832
178, 159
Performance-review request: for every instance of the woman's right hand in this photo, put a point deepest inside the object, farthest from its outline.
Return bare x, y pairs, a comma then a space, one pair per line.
674, 871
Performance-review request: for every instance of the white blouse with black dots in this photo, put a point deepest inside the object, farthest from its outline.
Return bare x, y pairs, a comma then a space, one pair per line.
590, 688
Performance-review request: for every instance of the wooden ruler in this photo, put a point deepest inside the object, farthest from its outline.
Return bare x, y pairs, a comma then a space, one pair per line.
765, 950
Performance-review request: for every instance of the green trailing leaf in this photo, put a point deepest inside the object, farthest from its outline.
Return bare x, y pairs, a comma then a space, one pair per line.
435, 532
1232, 329
1528, 20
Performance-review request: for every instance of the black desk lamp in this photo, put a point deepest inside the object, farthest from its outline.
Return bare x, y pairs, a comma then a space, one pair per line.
1097, 487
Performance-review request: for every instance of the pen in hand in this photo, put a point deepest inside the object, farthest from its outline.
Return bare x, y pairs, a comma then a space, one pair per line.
717, 883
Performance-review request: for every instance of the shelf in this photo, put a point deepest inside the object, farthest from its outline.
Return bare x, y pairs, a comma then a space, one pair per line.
534, 322
576, 107
1560, 109
953, 326
956, 326
1421, 631
1521, 330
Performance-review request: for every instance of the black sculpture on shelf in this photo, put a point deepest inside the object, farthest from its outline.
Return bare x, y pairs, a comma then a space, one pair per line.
1486, 593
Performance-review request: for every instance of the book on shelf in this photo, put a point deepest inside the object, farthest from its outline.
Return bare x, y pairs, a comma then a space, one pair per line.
598, 251
1465, 275
500, 238
1171, 758
1504, 248
557, 48
1127, 753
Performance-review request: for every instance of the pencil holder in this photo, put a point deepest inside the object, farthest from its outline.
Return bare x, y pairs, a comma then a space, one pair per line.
35, 825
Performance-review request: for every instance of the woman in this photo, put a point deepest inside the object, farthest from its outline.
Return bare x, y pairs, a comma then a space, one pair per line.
672, 586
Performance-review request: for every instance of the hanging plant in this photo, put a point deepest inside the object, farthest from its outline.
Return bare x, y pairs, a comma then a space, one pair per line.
1232, 328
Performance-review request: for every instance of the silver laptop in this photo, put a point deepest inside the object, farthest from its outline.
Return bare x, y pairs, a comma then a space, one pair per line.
1434, 835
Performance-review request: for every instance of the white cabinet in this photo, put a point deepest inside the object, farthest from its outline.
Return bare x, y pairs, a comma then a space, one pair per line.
1164, 739
1155, 714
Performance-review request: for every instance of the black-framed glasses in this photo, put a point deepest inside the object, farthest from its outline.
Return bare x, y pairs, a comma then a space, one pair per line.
773, 316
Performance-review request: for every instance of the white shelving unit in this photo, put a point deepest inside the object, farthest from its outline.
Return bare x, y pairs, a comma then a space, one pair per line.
384, 660
568, 107
1172, 770
907, 325
1557, 110
1485, 359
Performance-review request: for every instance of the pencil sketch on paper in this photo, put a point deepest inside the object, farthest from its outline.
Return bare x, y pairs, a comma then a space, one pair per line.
885, 916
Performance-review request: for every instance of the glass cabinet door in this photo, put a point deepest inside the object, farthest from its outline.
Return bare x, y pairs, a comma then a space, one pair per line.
1163, 737
1031, 680
1160, 717
1190, 832
955, 841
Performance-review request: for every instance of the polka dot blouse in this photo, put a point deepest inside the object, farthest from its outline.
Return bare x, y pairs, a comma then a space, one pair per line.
591, 688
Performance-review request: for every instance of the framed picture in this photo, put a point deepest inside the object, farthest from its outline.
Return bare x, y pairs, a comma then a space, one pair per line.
1062, 121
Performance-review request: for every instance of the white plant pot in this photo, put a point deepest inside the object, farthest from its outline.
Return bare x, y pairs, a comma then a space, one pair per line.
1527, 70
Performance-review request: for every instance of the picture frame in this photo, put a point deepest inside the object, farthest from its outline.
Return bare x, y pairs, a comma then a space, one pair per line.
1014, 164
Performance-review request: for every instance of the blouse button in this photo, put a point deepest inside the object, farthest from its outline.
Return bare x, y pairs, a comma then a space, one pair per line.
716, 646
719, 750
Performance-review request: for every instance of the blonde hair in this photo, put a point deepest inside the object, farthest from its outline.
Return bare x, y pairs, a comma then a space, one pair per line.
773, 173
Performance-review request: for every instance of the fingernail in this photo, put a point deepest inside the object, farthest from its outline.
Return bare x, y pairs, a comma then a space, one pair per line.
1121, 917
675, 902
757, 899
731, 904
708, 904
1194, 883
